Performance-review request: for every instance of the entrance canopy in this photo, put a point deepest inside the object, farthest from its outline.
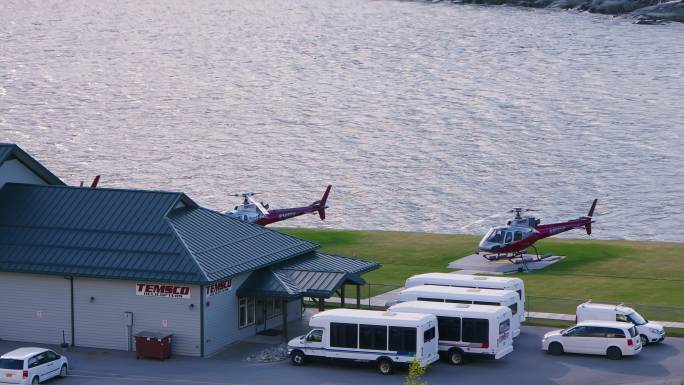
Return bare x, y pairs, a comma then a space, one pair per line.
313, 275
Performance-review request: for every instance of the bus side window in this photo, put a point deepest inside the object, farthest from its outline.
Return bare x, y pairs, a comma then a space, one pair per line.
449, 328
475, 330
402, 339
458, 301
373, 337
344, 335
514, 308
429, 334
430, 299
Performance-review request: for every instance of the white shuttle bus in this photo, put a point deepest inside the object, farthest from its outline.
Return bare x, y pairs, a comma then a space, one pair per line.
474, 296
476, 281
386, 338
467, 330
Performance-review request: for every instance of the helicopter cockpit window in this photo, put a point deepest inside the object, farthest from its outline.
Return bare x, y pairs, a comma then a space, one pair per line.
496, 236
517, 236
509, 237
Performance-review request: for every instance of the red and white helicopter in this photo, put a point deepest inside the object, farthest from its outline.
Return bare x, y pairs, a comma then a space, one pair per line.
522, 232
257, 212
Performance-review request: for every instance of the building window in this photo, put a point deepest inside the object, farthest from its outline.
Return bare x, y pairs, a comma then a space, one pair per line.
274, 307
246, 311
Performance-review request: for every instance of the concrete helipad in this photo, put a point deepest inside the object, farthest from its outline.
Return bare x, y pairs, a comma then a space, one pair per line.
477, 263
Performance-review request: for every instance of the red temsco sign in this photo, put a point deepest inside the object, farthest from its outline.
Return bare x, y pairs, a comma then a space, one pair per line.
162, 290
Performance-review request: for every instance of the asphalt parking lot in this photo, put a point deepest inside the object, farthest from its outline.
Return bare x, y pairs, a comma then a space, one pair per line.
657, 364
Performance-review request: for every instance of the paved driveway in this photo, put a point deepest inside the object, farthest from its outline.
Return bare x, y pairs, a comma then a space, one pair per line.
660, 364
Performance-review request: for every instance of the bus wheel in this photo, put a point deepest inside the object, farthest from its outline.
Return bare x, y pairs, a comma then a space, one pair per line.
297, 358
385, 366
456, 357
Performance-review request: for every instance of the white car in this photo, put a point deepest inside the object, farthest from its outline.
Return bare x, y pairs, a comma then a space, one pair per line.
612, 339
31, 366
650, 332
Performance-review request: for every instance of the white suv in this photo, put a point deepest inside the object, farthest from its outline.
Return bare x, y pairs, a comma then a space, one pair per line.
31, 366
612, 339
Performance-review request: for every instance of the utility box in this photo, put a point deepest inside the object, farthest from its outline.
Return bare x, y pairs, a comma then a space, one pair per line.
153, 345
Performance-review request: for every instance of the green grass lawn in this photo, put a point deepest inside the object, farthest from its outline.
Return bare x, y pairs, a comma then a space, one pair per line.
649, 273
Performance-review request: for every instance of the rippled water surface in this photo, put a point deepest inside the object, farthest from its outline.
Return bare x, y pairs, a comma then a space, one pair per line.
427, 117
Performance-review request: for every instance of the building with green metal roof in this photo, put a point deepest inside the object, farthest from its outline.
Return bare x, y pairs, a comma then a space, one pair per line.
94, 266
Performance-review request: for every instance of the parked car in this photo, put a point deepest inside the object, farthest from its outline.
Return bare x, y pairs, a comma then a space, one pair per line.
385, 338
612, 339
648, 331
31, 366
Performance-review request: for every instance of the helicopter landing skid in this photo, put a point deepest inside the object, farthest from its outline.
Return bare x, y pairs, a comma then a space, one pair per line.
518, 258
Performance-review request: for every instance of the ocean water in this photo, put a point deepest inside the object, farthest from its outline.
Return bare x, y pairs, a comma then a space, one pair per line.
424, 116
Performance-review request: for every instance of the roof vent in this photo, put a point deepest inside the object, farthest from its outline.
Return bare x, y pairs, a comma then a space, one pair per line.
480, 278
473, 290
389, 314
461, 305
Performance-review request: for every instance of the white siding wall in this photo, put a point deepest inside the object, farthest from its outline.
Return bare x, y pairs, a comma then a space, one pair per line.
100, 323
34, 308
222, 323
14, 171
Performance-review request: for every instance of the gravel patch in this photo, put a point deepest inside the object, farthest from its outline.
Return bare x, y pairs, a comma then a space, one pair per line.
272, 354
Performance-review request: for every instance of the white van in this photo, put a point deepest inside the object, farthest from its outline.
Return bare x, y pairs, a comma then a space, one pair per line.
648, 331
383, 337
449, 294
612, 339
464, 329
476, 281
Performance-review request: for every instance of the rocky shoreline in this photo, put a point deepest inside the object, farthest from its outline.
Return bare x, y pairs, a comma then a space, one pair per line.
642, 11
